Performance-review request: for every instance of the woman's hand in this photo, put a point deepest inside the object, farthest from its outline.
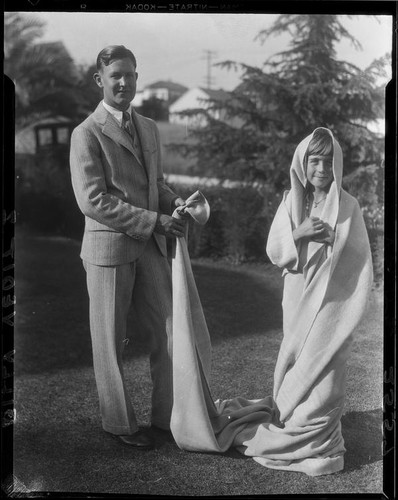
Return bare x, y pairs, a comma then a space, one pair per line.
314, 229
327, 235
311, 227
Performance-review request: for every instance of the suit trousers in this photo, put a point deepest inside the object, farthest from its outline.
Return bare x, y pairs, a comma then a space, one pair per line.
145, 284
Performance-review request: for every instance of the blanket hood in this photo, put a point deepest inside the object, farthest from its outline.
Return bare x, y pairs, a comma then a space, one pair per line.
299, 182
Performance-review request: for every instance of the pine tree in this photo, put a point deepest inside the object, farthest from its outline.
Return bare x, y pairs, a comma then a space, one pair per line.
296, 90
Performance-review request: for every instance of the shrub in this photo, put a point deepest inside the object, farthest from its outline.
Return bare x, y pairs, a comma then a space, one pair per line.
238, 225
366, 184
240, 218
44, 197
239, 222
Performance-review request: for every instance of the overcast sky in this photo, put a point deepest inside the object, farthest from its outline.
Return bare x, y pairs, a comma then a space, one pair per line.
173, 46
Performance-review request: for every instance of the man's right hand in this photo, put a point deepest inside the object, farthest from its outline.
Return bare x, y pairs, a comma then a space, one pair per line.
169, 226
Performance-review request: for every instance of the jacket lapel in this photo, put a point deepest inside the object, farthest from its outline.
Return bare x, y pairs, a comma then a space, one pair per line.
112, 129
145, 136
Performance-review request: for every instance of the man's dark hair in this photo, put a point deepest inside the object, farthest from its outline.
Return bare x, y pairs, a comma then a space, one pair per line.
112, 52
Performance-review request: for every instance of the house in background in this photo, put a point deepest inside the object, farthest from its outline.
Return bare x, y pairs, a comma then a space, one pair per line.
42, 152
155, 99
166, 91
48, 134
197, 98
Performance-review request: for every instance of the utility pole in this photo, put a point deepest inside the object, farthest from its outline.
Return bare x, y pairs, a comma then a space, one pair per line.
209, 54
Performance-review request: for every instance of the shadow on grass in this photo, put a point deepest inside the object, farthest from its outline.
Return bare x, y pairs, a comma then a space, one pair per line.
91, 462
83, 457
52, 330
362, 431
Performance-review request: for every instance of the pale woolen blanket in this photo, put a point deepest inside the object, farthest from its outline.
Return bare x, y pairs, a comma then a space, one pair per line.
298, 428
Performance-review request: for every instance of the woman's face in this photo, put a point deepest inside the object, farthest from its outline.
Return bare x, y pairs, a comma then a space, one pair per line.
320, 171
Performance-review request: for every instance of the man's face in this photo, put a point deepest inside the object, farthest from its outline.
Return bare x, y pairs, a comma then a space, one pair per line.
118, 81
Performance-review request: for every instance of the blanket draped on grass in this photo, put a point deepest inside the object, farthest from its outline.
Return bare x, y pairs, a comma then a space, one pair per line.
298, 428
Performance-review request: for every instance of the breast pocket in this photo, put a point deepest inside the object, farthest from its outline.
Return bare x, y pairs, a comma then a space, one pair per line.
151, 159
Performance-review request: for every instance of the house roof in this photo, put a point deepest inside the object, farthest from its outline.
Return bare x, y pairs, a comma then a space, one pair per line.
167, 84
241, 87
217, 94
50, 120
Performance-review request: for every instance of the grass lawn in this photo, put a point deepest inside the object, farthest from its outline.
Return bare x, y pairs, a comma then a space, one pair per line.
59, 445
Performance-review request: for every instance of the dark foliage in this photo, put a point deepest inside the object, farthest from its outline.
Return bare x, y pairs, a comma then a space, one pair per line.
367, 185
44, 74
155, 108
45, 202
89, 92
237, 229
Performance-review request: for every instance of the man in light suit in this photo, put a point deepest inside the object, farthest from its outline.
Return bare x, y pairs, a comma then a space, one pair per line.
118, 182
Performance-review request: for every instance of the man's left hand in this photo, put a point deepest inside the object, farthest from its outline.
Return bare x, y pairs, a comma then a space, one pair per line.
179, 202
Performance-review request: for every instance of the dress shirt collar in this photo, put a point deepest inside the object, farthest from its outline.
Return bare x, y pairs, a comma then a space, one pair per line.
115, 112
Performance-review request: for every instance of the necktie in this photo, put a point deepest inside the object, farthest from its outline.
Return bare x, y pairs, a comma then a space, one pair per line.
127, 125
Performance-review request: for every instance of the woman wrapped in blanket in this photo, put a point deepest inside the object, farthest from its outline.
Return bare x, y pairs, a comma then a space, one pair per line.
318, 237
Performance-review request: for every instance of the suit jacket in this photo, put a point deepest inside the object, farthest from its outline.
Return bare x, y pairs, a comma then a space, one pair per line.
119, 196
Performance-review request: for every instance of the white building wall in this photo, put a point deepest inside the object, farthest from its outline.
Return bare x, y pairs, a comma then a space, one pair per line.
192, 99
146, 94
161, 93
138, 99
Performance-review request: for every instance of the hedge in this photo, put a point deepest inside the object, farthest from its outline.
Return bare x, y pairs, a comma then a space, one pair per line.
240, 216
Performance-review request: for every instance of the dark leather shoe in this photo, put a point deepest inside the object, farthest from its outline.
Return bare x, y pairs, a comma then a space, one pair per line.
164, 433
139, 440
159, 429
